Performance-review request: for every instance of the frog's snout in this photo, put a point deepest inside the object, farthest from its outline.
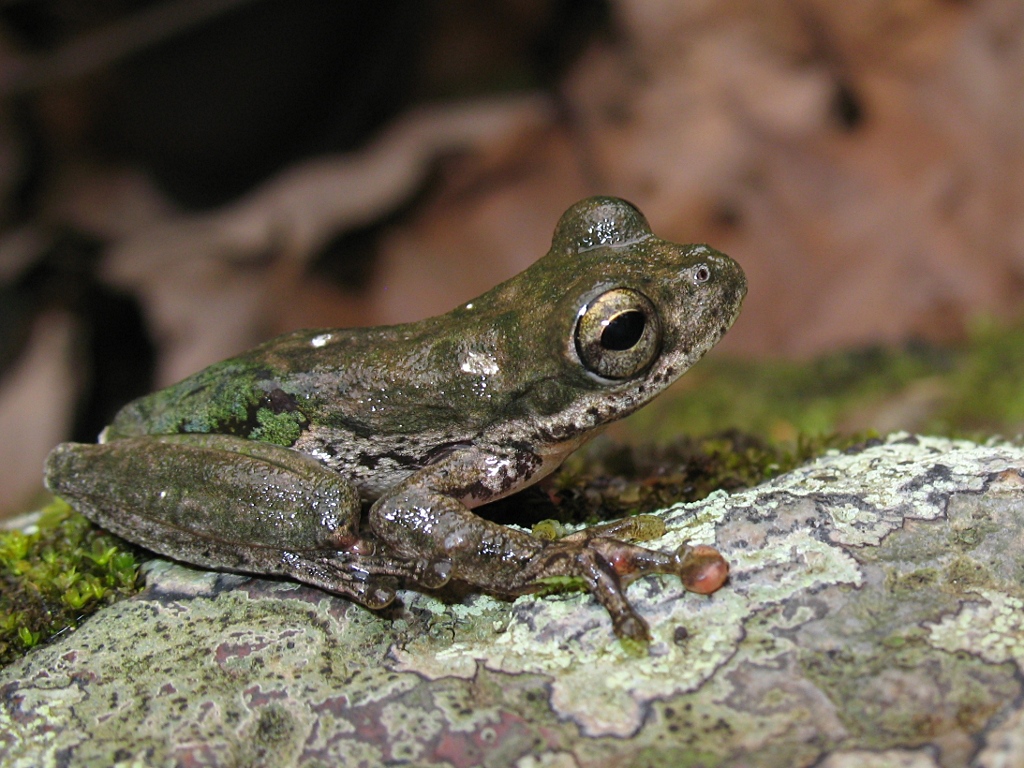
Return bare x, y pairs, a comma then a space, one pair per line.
731, 282
729, 272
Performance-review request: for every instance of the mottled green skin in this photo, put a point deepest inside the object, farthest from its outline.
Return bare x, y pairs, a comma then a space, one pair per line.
427, 420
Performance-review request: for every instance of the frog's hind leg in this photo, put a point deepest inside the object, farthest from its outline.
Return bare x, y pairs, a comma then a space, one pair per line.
500, 559
425, 517
225, 503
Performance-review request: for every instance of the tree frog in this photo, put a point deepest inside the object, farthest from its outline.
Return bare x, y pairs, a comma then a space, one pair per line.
352, 459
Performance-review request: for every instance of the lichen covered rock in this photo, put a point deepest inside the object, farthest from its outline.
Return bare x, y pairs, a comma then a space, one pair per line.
873, 617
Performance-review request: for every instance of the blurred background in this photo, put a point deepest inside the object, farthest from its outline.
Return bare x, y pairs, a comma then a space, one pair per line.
181, 179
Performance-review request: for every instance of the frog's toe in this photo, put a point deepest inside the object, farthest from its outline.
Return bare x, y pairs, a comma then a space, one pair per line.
631, 627
374, 591
606, 565
371, 591
701, 568
376, 595
597, 563
361, 579
635, 528
433, 574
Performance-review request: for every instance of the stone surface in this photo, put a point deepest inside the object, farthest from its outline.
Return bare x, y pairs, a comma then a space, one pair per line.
873, 618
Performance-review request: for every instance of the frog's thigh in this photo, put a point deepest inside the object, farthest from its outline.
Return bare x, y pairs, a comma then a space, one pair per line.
208, 499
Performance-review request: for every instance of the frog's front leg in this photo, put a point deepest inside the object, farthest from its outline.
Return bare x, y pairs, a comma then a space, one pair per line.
223, 502
428, 516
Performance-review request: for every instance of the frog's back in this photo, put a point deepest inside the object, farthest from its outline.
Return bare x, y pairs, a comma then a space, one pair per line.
404, 379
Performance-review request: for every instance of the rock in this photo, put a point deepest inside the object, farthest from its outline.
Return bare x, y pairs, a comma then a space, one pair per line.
873, 618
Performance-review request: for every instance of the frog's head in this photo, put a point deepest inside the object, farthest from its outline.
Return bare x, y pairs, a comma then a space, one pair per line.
632, 312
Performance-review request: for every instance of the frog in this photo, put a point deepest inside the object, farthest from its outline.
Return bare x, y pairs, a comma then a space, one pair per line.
353, 460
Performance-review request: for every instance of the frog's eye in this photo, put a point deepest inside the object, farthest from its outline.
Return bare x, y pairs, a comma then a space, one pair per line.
618, 334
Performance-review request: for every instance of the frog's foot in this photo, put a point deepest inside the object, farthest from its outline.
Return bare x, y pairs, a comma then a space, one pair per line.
701, 568
369, 579
343, 574
584, 561
606, 565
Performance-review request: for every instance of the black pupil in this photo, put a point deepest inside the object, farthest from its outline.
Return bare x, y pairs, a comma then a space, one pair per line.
623, 331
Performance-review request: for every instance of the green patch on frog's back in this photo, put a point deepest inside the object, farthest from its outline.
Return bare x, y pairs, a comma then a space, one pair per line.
233, 398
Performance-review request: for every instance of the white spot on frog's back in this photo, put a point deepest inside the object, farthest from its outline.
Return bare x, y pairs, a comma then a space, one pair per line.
479, 364
318, 341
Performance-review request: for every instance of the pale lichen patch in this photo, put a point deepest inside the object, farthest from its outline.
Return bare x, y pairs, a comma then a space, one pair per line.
991, 627
409, 727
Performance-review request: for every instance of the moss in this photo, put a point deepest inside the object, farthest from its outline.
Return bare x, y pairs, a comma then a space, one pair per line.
783, 399
985, 392
970, 390
232, 397
56, 576
610, 480
278, 428
910, 583
964, 573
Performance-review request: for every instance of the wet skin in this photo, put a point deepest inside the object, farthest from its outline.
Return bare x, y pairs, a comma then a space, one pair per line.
263, 463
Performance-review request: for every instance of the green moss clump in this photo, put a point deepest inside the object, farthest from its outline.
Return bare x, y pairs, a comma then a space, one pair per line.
53, 578
783, 399
278, 428
985, 392
970, 390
